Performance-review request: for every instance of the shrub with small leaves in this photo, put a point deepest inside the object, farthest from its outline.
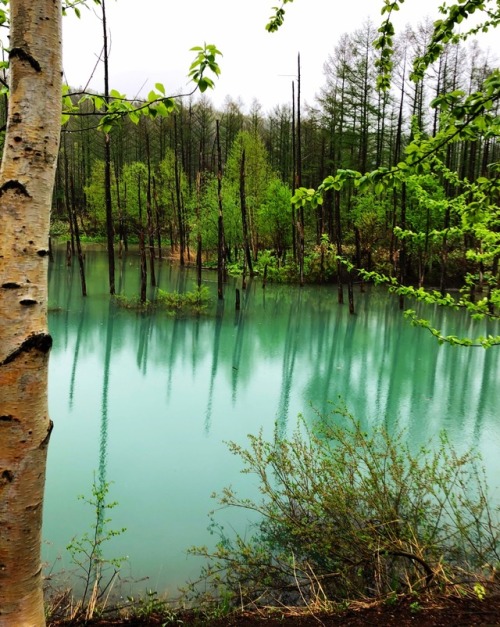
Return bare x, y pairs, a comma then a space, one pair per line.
348, 515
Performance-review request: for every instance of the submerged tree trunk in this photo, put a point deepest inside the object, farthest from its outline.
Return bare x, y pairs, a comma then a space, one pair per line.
107, 162
301, 224
67, 201
76, 230
244, 221
157, 219
402, 252
338, 238
69, 192
142, 248
294, 177
396, 158
221, 256
180, 218
149, 214
198, 235
27, 177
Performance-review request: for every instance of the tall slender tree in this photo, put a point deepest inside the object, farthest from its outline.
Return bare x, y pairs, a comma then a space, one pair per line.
244, 221
27, 176
298, 176
221, 251
107, 159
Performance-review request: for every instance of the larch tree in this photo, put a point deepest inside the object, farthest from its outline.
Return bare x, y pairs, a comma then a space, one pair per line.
26, 182
467, 120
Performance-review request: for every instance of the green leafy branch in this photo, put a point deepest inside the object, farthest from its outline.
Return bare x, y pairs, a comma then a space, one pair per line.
157, 102
277, 18
480, 342
312, 198
467, 121
4, 14
75, 5
422, 155
436, 236
476, 309
206, 59
385, 44
443, 33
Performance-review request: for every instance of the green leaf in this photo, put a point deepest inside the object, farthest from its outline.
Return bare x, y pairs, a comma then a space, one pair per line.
160, 88
116, 94
134, 117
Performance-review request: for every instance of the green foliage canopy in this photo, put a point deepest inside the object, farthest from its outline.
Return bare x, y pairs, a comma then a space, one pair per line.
464, 117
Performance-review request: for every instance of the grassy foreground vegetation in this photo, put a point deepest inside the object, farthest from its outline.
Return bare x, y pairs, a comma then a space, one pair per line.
348, 516
345, 517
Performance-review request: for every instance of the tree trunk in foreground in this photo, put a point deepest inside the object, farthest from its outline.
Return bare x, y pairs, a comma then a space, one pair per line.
26, 182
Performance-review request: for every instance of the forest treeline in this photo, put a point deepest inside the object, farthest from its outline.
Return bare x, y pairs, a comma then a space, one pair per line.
178, 181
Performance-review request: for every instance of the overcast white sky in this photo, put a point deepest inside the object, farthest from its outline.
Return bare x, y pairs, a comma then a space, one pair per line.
150, 42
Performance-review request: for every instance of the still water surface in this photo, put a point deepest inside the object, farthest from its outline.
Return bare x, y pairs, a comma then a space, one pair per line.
149, 400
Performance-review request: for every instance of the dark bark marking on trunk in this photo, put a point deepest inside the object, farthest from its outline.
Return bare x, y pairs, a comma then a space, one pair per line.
7, 476
28, 302
10, 285
21, 54
16, 186
45, 442
32, 508
42, 252
39, 341
9, 418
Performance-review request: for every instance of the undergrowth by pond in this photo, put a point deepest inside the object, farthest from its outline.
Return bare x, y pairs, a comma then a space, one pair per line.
346, 515
194, 301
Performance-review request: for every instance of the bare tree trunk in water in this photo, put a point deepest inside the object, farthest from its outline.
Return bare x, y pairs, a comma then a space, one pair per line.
299, 181
198, 236
76, 229
107, 161
338, 237
157, 219
294, 177
180, 218
149, 214
402, 252
67, 196
244, 221
396, 159
142, 247
221, 255
71, 209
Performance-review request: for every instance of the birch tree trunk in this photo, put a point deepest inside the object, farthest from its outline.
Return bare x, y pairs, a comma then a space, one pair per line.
26, 182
